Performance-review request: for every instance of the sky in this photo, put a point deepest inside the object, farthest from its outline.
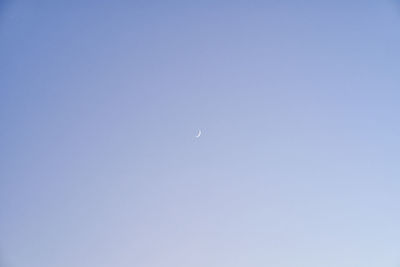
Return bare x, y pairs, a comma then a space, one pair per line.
297, 164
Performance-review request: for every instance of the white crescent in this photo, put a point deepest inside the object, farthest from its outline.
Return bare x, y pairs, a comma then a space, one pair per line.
199, 134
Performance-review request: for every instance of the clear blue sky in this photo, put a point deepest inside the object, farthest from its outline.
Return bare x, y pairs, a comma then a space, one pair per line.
298, 164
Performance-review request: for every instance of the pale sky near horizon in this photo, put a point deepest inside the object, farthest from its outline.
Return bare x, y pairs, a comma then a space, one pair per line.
298, 163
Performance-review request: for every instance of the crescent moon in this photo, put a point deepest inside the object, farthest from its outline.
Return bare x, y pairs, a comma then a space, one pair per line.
199, 134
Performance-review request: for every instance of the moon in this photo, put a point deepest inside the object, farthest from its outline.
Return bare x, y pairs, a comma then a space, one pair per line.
198, 134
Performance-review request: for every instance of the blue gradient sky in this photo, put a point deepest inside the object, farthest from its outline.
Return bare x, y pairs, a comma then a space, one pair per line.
298, 164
